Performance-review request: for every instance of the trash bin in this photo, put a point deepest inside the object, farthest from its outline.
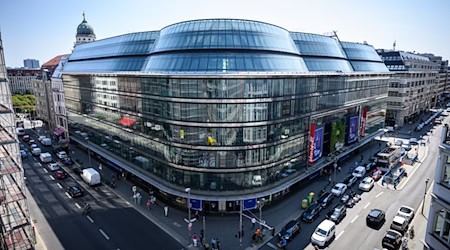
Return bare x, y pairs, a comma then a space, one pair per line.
304, 203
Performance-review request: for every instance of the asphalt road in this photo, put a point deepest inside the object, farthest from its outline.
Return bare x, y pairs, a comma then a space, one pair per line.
112, 223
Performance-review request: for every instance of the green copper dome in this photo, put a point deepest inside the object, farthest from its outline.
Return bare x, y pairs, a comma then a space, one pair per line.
84, 28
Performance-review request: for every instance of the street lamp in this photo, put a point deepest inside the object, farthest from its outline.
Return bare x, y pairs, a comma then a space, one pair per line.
424, 194
188, 190
260, 205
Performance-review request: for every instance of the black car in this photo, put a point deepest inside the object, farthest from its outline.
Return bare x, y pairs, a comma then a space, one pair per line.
290, 230
74, 191
392, 240
77, 170
326, 199
375, 218
67, 161
311, 213
337, 213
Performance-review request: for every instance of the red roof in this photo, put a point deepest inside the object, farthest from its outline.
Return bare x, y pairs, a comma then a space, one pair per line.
52, 63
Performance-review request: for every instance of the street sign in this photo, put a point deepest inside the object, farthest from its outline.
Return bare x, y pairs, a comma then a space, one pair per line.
196, 204
249, 204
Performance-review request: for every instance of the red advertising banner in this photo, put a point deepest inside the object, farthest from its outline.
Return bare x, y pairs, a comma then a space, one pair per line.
312, 131
363, 122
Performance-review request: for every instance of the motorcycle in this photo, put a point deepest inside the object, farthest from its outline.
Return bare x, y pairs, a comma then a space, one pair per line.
86, 209
356, 198
345, 198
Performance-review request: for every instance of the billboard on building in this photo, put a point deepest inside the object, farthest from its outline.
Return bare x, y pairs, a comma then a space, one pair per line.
353, 129
315, 143
337, 136
363, 122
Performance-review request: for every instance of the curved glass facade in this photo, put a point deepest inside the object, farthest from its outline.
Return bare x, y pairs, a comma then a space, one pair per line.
357, 51
224, 34
195, 106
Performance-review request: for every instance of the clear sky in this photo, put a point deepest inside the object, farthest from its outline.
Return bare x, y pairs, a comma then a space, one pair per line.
43, 29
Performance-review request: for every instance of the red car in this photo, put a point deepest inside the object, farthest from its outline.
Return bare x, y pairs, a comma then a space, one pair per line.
59, 174
26, 138
376, 174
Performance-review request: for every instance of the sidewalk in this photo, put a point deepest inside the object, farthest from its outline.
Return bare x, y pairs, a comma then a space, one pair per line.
420, 223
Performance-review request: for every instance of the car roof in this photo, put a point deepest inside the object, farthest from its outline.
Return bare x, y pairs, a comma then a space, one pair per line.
375, 212
326, 225
360, 168
399, 219
409, 208
368, 178
390, 231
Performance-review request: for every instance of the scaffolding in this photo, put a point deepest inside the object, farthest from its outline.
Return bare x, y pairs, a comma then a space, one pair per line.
15, 226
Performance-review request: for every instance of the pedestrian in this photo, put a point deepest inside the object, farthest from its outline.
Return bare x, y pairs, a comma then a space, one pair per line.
218, 243
253, 222
153, 200
213, 244
339, 168
148, 204
139, 198
166, 210
382, 182
196, 215
395, 185
194, 240
202, 236
135, 198
100, 167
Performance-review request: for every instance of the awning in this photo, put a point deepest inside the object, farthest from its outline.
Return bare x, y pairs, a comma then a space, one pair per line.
127, 121
59, 132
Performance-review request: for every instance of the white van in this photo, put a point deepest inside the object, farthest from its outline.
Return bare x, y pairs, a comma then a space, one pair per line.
45, 157
46, 142
324, 232
90, 176
359, 172
20, 131
36, 151
399, 224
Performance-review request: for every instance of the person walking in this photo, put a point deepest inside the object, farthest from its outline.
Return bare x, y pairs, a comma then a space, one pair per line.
253, 222
149, 203
202, 236
194, 240
395, 185
166, 210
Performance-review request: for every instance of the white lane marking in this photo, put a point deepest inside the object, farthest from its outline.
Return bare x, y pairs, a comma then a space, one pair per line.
378, 195
128, 203
78, 206
104, 235
45, 170
366, 205
89, 218
51, 177
272, 245
39, 164
59, 185
354, 219
67, 194
339, 235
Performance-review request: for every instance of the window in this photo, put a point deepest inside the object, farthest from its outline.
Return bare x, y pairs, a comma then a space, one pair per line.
445, 179
441, 227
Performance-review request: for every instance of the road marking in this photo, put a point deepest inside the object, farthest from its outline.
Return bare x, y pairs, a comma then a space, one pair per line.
339, 235
59, 185
366, 205
78, 206
45, 170
89, 218
51, 177
104, 235
40, 165
176, 224
378, 194
67, 194
272, 245
354, 219
128, 203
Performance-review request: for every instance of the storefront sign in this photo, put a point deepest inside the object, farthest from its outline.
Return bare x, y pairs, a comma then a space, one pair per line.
353, 129
363, 122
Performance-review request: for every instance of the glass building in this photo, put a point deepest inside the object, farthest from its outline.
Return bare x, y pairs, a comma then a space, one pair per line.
232, 109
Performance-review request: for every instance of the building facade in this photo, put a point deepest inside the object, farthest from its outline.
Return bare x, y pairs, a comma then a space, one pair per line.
31, 63
441, 77
414, 87
44, 99
438, 227
229, 108
21, 80
61, 130
15, 225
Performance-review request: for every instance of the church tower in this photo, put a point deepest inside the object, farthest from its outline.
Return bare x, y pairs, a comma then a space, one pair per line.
85, 33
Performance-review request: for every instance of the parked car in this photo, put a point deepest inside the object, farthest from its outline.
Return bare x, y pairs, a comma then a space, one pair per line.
26, 138
311, 213
61, 154
398, 142
53, 166
33, 146
23, 154
392, 240
376, 218
359, 172
31, 142
41, 137
60, 174
339, 189
399, 224
291, 229
338, 213
67, 161
350, 180
21, 146
366, 184
324, 233
413, 141
370, 165
406, 212
74, 191
325, 199
376, 174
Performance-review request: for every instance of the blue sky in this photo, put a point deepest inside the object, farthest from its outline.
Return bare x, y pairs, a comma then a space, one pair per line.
46, 28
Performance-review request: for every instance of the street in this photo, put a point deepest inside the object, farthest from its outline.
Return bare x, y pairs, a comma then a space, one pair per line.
112, 223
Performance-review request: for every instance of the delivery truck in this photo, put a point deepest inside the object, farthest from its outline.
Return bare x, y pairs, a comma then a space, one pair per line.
91, 176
